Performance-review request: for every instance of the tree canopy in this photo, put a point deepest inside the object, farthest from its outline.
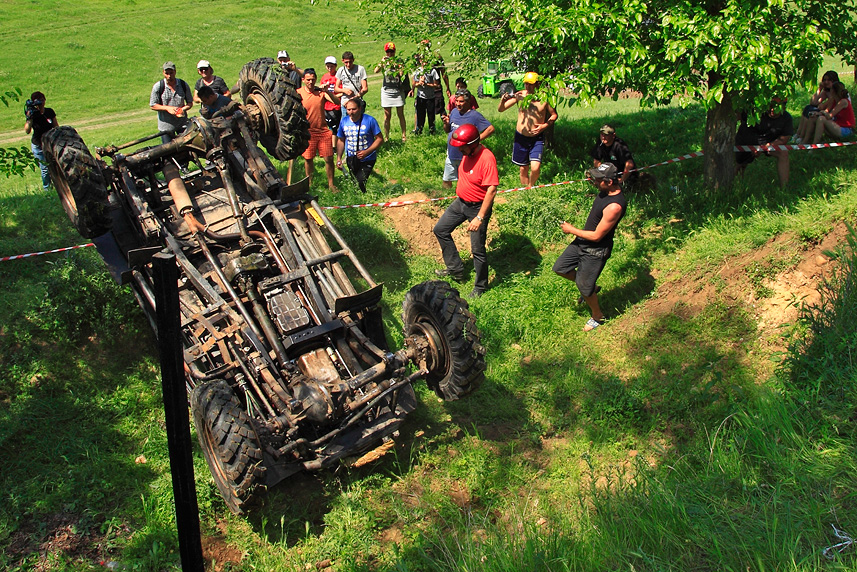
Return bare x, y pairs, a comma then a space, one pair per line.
732, 55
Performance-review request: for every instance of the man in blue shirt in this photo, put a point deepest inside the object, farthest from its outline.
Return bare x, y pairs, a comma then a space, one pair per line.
359, 138
461, 115
212, 101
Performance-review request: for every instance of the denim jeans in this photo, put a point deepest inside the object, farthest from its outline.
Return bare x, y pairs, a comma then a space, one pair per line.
43, 165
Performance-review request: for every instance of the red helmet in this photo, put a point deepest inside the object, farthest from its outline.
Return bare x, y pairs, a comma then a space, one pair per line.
464, 135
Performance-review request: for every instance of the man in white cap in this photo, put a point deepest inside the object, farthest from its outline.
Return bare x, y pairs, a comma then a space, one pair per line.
295, 73
584, 259
207, 77
171, 98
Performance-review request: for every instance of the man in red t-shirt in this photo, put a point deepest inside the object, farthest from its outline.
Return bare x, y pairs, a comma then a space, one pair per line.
320, 143
477, 185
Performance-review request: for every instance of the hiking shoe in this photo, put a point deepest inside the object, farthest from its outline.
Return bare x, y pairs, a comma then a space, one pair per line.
475, 294
444, 272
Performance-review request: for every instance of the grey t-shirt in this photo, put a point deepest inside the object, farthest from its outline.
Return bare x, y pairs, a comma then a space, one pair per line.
430, 76
217, 85
180, 97
351, 79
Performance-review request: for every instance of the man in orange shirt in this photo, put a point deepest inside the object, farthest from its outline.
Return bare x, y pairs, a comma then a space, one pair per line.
475, 190
320, 143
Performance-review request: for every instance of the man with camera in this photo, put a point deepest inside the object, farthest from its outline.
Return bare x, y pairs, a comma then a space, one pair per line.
320, 143
294, 73
351, 80
40, 120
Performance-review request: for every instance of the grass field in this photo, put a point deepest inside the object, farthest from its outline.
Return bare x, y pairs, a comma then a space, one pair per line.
709, 425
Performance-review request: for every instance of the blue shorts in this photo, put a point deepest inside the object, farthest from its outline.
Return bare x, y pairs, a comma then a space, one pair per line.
526, 149
846, 131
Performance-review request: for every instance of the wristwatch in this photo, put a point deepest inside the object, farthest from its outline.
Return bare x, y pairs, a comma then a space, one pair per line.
479, 218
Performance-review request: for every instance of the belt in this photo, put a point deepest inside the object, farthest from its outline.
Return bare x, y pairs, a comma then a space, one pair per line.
470, 203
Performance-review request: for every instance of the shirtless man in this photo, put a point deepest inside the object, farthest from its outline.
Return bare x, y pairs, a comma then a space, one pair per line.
533, 120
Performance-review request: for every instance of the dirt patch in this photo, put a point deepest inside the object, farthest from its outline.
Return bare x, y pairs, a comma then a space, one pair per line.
414, 223
61, 533
392, 535
217, 553
772, 281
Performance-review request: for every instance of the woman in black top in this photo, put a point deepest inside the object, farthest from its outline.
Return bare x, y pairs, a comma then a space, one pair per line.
40, 120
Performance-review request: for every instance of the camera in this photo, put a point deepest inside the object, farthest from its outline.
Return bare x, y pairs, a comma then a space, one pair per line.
31, 107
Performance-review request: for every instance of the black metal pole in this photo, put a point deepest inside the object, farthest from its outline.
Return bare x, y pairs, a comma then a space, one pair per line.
166, 277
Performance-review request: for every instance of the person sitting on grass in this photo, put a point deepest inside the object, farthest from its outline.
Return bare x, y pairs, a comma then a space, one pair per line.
774, 129
612, 149
820, 101
838, 121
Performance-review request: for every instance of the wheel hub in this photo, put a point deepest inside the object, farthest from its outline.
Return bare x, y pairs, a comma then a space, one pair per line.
436, 354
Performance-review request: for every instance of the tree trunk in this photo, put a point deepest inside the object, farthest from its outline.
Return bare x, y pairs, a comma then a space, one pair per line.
718, 145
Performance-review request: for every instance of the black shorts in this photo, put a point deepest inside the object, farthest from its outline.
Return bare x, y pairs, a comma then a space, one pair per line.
587, 260
332, 117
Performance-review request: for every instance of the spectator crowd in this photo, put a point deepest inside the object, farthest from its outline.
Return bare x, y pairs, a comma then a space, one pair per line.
345, 136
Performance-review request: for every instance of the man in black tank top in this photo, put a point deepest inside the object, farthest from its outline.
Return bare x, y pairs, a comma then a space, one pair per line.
584, 259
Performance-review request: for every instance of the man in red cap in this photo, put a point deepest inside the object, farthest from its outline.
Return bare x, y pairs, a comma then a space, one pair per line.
477, 185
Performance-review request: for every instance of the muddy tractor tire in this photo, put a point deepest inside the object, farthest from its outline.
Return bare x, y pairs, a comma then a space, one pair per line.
229, 444
457, 358
284, 129
78, 180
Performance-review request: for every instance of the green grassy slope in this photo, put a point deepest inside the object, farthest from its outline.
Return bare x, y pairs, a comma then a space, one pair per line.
666, 440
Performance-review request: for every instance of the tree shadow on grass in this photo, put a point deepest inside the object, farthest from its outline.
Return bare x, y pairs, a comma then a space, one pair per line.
61, 433
511, 253
631, 262
380, 251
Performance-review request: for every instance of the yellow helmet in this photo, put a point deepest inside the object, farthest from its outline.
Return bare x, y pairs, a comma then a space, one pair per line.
531, 77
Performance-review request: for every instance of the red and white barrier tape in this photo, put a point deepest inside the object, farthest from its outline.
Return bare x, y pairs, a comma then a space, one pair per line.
693, 155
16, 257
801, 147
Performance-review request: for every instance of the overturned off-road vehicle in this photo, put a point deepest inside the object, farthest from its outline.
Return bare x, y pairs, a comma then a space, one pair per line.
284, 351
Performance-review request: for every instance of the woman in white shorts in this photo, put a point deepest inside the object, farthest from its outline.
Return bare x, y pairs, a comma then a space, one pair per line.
393, 88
